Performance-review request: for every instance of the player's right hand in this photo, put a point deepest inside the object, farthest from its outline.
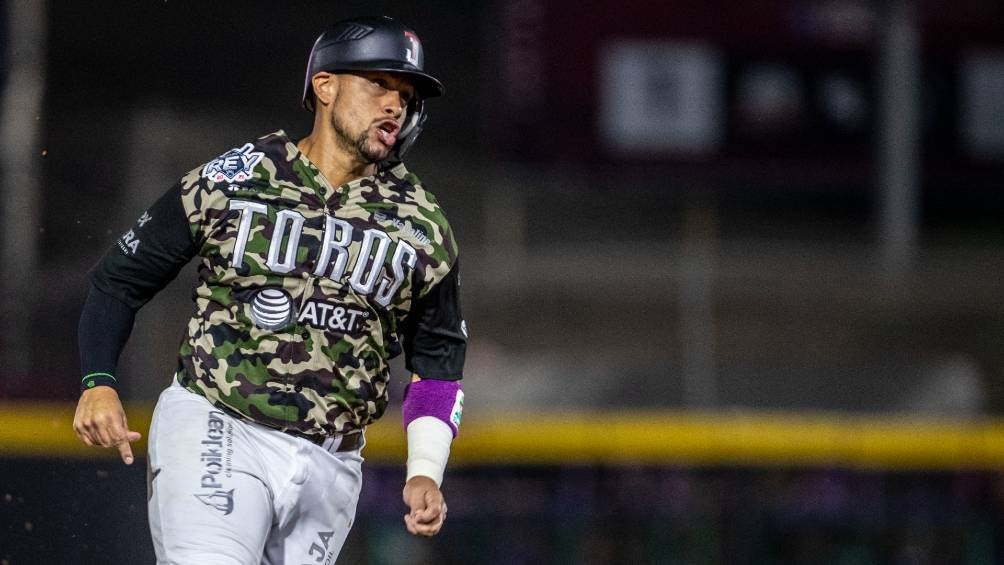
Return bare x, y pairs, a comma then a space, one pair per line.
426, 504
100, 420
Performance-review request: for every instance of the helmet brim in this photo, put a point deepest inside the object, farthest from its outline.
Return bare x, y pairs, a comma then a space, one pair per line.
426, 85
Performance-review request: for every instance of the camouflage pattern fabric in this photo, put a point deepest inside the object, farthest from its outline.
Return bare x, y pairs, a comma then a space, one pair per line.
332, 271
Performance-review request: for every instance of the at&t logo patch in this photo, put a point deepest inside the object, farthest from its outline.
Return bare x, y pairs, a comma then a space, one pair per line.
272, 309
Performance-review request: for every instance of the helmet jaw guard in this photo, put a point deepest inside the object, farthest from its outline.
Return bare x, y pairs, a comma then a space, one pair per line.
376, 44
409, 132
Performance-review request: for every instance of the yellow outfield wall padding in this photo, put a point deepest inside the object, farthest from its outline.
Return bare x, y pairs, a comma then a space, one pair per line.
749, 439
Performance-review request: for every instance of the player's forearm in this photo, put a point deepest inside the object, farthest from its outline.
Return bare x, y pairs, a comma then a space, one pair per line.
105, 325
429, 441
432, 411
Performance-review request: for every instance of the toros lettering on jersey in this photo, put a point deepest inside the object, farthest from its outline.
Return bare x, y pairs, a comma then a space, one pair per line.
333, 260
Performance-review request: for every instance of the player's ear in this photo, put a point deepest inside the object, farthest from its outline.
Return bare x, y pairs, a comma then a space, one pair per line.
325, 87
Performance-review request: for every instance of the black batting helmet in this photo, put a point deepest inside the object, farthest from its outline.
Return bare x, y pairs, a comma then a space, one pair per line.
375, 44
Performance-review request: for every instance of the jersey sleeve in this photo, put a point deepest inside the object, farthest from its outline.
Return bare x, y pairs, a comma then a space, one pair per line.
150, 254
140, 263
435, 337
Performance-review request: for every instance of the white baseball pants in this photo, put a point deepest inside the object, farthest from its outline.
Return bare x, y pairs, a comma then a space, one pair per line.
224, 491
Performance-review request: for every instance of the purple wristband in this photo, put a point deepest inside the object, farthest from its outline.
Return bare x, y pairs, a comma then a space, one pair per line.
443, 400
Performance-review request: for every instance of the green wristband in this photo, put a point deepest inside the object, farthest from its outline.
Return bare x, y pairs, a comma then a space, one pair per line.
92, 380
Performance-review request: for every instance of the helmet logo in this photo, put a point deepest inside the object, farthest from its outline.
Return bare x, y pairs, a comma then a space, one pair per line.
411, 53
352, 32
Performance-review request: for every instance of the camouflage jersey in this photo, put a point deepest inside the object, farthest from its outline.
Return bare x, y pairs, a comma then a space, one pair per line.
304, 290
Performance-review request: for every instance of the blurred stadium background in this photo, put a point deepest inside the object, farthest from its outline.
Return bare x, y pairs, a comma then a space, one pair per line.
733, 270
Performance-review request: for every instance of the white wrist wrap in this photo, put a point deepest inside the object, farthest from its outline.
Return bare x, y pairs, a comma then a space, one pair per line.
429, 440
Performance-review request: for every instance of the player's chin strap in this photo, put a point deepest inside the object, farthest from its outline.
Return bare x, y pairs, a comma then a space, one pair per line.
409, 134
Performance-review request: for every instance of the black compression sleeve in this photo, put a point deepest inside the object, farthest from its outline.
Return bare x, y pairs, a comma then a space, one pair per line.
105, 325
140, 263
435, 337
148, 256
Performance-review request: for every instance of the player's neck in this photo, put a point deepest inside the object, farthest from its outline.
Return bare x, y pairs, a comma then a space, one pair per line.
337, 165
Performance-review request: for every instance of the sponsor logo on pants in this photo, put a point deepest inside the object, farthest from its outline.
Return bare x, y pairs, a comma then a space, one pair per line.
217, 453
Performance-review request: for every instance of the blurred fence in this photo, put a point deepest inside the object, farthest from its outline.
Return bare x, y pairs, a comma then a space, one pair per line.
566, 487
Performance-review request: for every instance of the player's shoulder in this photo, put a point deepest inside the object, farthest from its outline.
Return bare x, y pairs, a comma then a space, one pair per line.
262, 157
408, 189
249, 166
409, 198
409, 206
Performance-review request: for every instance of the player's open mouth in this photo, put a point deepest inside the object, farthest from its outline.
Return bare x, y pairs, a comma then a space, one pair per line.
387, 132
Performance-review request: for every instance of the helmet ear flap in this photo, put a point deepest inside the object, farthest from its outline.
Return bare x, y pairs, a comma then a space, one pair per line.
416, 114
409, 133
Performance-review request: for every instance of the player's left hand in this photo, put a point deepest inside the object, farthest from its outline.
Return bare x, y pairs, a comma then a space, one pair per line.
428, 508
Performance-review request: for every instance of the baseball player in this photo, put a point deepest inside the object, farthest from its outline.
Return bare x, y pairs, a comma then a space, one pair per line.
318, 260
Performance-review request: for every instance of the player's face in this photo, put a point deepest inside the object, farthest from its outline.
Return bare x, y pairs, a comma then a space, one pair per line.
369, 110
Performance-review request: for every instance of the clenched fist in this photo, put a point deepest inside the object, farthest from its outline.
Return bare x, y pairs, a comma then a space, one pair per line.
428, 509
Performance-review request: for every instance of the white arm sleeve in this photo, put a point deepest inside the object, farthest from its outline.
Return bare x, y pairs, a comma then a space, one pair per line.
429, 440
